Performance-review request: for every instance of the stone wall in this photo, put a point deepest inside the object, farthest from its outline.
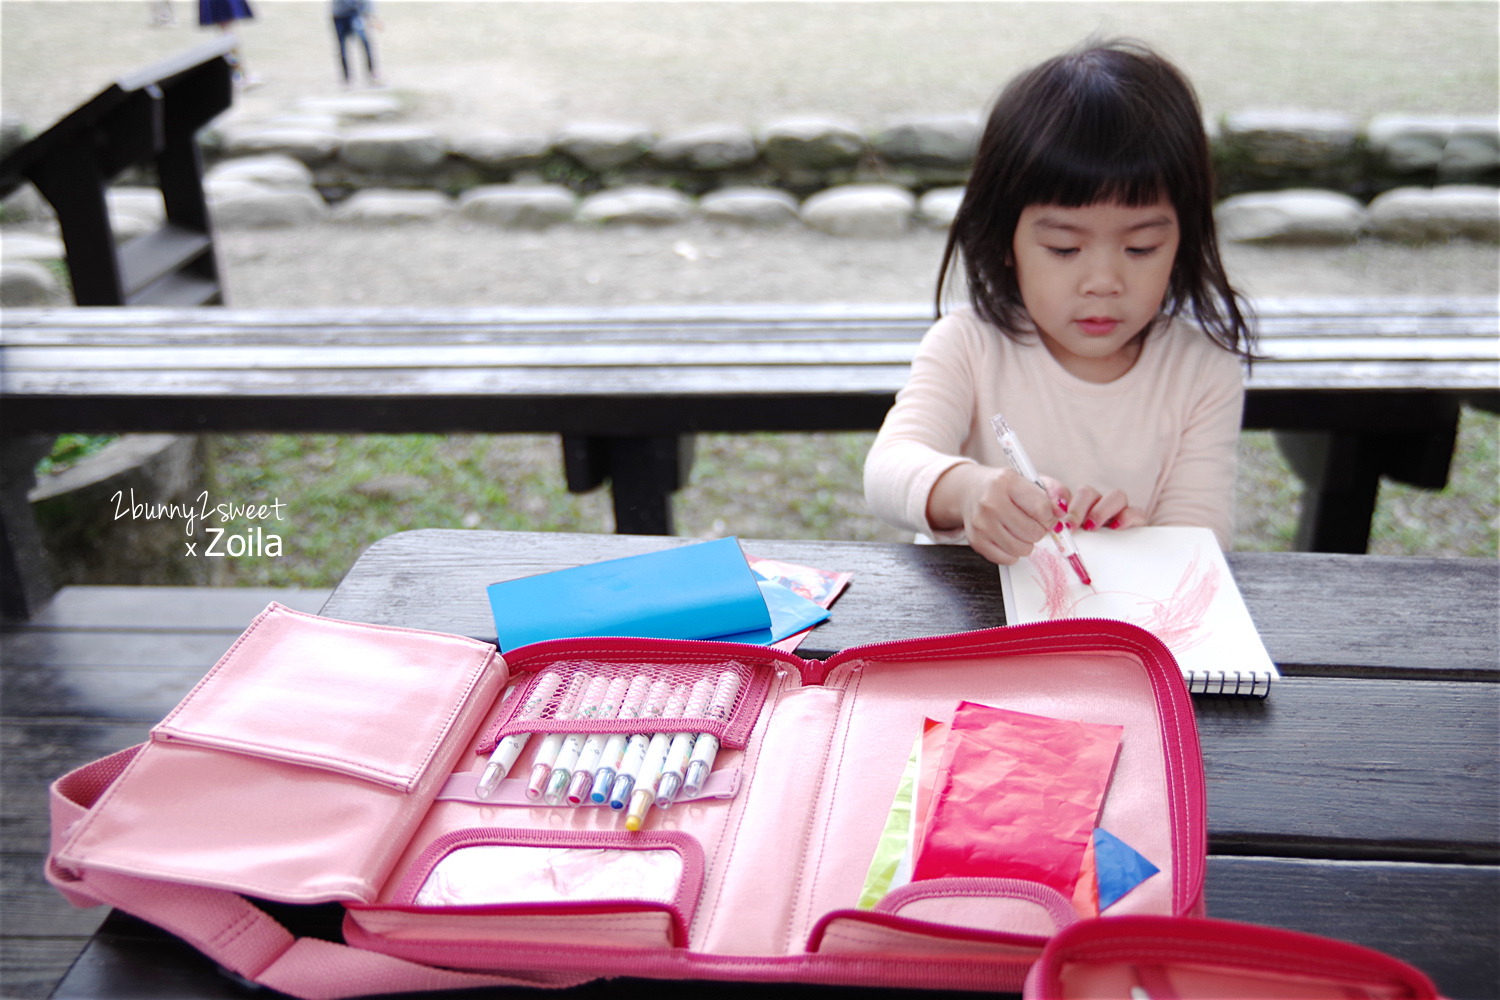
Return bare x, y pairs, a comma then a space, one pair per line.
361, 141
354, 158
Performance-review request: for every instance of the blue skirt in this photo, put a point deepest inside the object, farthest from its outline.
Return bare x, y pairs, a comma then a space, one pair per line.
223, 11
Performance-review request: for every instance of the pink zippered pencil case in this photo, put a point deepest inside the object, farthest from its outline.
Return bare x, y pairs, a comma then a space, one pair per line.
276, 778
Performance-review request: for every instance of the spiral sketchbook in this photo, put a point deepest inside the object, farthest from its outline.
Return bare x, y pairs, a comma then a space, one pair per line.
1173, 582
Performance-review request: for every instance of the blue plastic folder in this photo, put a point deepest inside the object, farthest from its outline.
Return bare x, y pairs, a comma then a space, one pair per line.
700, 591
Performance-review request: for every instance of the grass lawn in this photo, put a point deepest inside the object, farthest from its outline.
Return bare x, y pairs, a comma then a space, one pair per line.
345, 492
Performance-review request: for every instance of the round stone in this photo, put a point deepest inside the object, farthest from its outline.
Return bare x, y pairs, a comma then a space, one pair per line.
27, 283
1473, 148
502, 150
935, 141
604, 146
1409, 143
144, 203
383, 206
749, 206
394, 150
518, 206
1430, 215
711, 147
272, 170
30, 246
310, 146
640, 206
810, 143
938, 207
863, 210
1293, 216
1291, 139
256, 207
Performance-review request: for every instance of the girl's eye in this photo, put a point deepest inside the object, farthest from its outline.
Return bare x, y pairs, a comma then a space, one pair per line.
1062, 251
1141, 251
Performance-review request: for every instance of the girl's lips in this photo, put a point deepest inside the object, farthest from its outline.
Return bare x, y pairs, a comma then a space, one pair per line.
1097, 326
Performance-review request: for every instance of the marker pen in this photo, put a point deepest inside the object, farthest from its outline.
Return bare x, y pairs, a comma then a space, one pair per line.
656, 755
706, 747
682, 745
614, 746
546, 753
635, 749
508, 750
1017, 455
572, 744
593, 746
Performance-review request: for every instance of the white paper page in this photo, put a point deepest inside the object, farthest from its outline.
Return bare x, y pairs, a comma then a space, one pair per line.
1173, 582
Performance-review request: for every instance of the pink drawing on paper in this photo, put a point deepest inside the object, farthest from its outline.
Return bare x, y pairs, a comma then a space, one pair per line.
1176, 619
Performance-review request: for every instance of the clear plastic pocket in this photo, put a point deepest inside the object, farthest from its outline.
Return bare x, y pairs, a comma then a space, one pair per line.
545, 887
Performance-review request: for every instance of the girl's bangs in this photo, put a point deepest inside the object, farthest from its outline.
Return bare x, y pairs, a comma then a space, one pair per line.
1072, 178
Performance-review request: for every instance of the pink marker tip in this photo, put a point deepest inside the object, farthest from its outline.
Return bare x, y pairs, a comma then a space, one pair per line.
1077, 565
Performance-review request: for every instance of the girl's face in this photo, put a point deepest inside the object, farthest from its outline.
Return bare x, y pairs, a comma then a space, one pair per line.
1092, 277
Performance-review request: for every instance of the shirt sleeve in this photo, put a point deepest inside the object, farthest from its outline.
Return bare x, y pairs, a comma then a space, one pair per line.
923, 434
1199, 489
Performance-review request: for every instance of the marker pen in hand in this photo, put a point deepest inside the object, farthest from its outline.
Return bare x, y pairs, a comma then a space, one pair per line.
1017, 455
546, 753
508, 750
706, 747
614, 746
635, 749
682, 745
572, 744
644, 795
593, 746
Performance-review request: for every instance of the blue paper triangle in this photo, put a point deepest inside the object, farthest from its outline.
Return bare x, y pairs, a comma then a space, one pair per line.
790, 614
1120, 867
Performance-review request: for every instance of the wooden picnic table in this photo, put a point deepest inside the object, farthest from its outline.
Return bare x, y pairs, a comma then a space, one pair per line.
1359, 800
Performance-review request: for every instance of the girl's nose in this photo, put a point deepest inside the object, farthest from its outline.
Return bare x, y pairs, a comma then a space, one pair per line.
1103, 278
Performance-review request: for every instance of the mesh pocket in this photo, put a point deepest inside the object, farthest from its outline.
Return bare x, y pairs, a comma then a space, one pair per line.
722, 697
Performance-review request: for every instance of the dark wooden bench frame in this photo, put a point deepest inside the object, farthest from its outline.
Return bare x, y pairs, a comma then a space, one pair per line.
1362, 387
149, 118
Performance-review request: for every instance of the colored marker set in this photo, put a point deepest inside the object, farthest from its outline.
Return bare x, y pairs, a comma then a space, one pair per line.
632, 737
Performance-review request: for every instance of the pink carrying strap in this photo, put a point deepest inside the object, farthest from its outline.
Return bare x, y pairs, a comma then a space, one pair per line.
235, 933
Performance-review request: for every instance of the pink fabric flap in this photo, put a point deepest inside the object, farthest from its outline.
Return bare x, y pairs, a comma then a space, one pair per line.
369, 701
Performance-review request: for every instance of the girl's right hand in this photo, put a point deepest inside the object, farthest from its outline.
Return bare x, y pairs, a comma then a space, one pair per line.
1003, 514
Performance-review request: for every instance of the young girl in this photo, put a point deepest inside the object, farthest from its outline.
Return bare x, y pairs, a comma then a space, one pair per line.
1086, 234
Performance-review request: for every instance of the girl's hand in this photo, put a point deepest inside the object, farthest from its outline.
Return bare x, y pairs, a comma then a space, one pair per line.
1002, 514
1089, 510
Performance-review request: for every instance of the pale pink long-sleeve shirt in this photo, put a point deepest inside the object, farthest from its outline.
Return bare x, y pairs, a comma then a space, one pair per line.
1165, 432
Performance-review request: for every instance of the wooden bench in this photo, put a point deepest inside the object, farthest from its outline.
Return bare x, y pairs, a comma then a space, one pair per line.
1363, 387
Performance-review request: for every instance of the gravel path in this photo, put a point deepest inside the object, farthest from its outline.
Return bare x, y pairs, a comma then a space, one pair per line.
540, 65
544, 64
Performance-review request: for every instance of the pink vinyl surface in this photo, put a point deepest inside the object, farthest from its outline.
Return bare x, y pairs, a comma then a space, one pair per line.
264, 785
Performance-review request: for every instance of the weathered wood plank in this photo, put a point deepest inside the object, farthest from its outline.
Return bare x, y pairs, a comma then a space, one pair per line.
167, 609
106, 693
110, 649
1354, 768
33, 908
1440, 626
30, 968
1412, 911
665, 351
1328, 315
36, 752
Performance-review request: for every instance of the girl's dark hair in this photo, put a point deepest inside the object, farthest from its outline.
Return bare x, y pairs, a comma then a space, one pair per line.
1109, 122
